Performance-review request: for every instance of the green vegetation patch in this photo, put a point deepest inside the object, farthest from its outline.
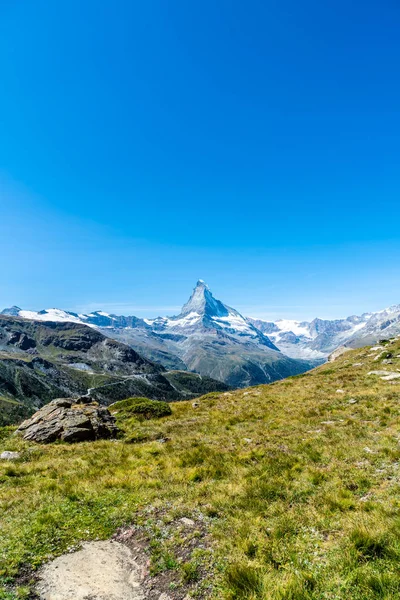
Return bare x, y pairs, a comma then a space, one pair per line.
141, 407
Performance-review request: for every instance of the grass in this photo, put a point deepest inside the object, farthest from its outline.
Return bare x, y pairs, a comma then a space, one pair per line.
297, 485
4, 400
11, 411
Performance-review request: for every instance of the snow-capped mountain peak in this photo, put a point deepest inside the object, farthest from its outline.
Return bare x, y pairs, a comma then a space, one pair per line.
203, 302
206, 322
203, 313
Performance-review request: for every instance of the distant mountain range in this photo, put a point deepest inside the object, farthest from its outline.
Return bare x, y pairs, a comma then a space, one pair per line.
40, 361
318, 338
214, 340
207, 337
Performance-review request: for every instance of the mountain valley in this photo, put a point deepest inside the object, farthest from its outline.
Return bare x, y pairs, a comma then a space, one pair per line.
212, 339
207, 337
40, 361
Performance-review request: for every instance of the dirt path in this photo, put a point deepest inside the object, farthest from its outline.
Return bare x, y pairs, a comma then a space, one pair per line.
99, 571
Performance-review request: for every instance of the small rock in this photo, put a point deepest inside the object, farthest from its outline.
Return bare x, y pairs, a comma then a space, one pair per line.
338, 352
358, 364
387, 361
340, 391
248, 440
391, 376
188, 522
164, 596
84, 400
63, 402
368, 450
7, 455
352, 401
365, 498
383, 373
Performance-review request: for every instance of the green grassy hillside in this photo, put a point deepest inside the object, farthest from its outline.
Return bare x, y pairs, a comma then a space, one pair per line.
296, 484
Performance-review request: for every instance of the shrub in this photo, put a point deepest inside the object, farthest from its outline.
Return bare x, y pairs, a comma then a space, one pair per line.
190, 572
142, 407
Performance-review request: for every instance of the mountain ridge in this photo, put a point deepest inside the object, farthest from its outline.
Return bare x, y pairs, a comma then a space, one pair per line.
207, 337
312, 340
320, 337
43, 361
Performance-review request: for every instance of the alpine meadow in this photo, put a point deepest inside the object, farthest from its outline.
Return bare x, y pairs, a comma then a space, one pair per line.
199, 300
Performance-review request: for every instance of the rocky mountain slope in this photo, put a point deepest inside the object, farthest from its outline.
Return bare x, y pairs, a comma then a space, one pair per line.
163, 339
43, 361
282, 491
207, 337
318, 338
216, 340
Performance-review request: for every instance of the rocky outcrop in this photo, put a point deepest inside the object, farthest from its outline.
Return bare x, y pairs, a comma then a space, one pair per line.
69, 420
338, 352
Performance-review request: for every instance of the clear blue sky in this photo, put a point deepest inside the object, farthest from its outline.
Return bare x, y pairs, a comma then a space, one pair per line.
253, 144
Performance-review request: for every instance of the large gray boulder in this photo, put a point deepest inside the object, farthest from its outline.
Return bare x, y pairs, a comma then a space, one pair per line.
70, 420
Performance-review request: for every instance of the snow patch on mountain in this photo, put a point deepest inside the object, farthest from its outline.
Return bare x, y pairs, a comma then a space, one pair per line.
234, 322
204, 318
285, 325
186, 321
51, 314
318, 338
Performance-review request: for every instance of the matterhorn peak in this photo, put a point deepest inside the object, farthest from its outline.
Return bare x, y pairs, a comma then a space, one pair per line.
203, 302
201, 284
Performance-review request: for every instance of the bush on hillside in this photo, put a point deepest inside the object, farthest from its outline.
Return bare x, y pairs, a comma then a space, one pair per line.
142, 407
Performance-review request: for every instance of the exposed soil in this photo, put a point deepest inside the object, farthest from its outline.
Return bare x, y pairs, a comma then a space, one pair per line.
187, 542
103, 570
161, 559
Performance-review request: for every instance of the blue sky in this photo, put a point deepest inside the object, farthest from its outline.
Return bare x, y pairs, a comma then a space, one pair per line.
252, 144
